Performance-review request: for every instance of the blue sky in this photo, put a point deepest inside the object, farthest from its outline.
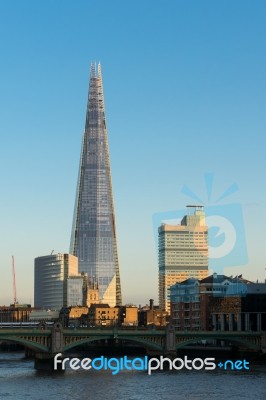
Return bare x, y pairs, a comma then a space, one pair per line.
184, 85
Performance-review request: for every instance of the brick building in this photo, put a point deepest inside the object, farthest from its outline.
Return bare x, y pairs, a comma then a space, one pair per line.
218, 302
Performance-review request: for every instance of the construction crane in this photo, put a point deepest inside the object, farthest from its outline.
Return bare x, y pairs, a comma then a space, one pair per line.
14, 281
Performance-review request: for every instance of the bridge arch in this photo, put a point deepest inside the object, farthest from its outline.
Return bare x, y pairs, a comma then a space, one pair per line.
237, 341
80, 342
148, 345
29, 344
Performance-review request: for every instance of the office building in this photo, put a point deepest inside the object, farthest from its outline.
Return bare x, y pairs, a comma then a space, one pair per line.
183, 252
93, 238
75, 290
50, 279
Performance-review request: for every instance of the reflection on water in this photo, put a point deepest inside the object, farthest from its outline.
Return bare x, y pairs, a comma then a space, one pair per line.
19, 380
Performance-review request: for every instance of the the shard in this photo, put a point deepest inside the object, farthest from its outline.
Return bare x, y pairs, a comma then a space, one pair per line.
93, 238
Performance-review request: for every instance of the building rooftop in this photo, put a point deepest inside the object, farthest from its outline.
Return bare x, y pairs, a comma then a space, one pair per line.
100, 305
215, 278
255, 288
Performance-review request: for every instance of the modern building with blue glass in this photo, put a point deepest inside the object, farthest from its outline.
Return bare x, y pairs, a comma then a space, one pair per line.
93, 238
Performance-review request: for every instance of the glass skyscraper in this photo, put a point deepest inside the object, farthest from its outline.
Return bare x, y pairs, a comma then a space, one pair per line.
93, 238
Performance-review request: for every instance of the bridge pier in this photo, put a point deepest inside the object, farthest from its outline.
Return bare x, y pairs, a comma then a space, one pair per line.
45, 361
170, 342
29, 353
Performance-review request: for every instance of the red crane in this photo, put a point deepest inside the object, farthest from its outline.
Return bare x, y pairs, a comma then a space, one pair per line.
14, 281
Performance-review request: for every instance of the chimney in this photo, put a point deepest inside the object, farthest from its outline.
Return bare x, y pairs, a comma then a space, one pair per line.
151, 304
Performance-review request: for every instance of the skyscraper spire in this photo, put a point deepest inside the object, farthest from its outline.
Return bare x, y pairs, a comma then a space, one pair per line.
93, 238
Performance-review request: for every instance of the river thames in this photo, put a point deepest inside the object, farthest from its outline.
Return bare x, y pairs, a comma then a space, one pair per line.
19, 380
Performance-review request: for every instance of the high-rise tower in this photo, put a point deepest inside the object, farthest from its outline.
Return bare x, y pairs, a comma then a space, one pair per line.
93, 238
183, 252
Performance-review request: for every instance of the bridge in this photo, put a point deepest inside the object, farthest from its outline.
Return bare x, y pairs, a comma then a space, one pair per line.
47, 342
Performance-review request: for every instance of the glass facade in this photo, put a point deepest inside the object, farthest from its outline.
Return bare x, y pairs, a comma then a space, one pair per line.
75, 291
93, 238
50, 279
